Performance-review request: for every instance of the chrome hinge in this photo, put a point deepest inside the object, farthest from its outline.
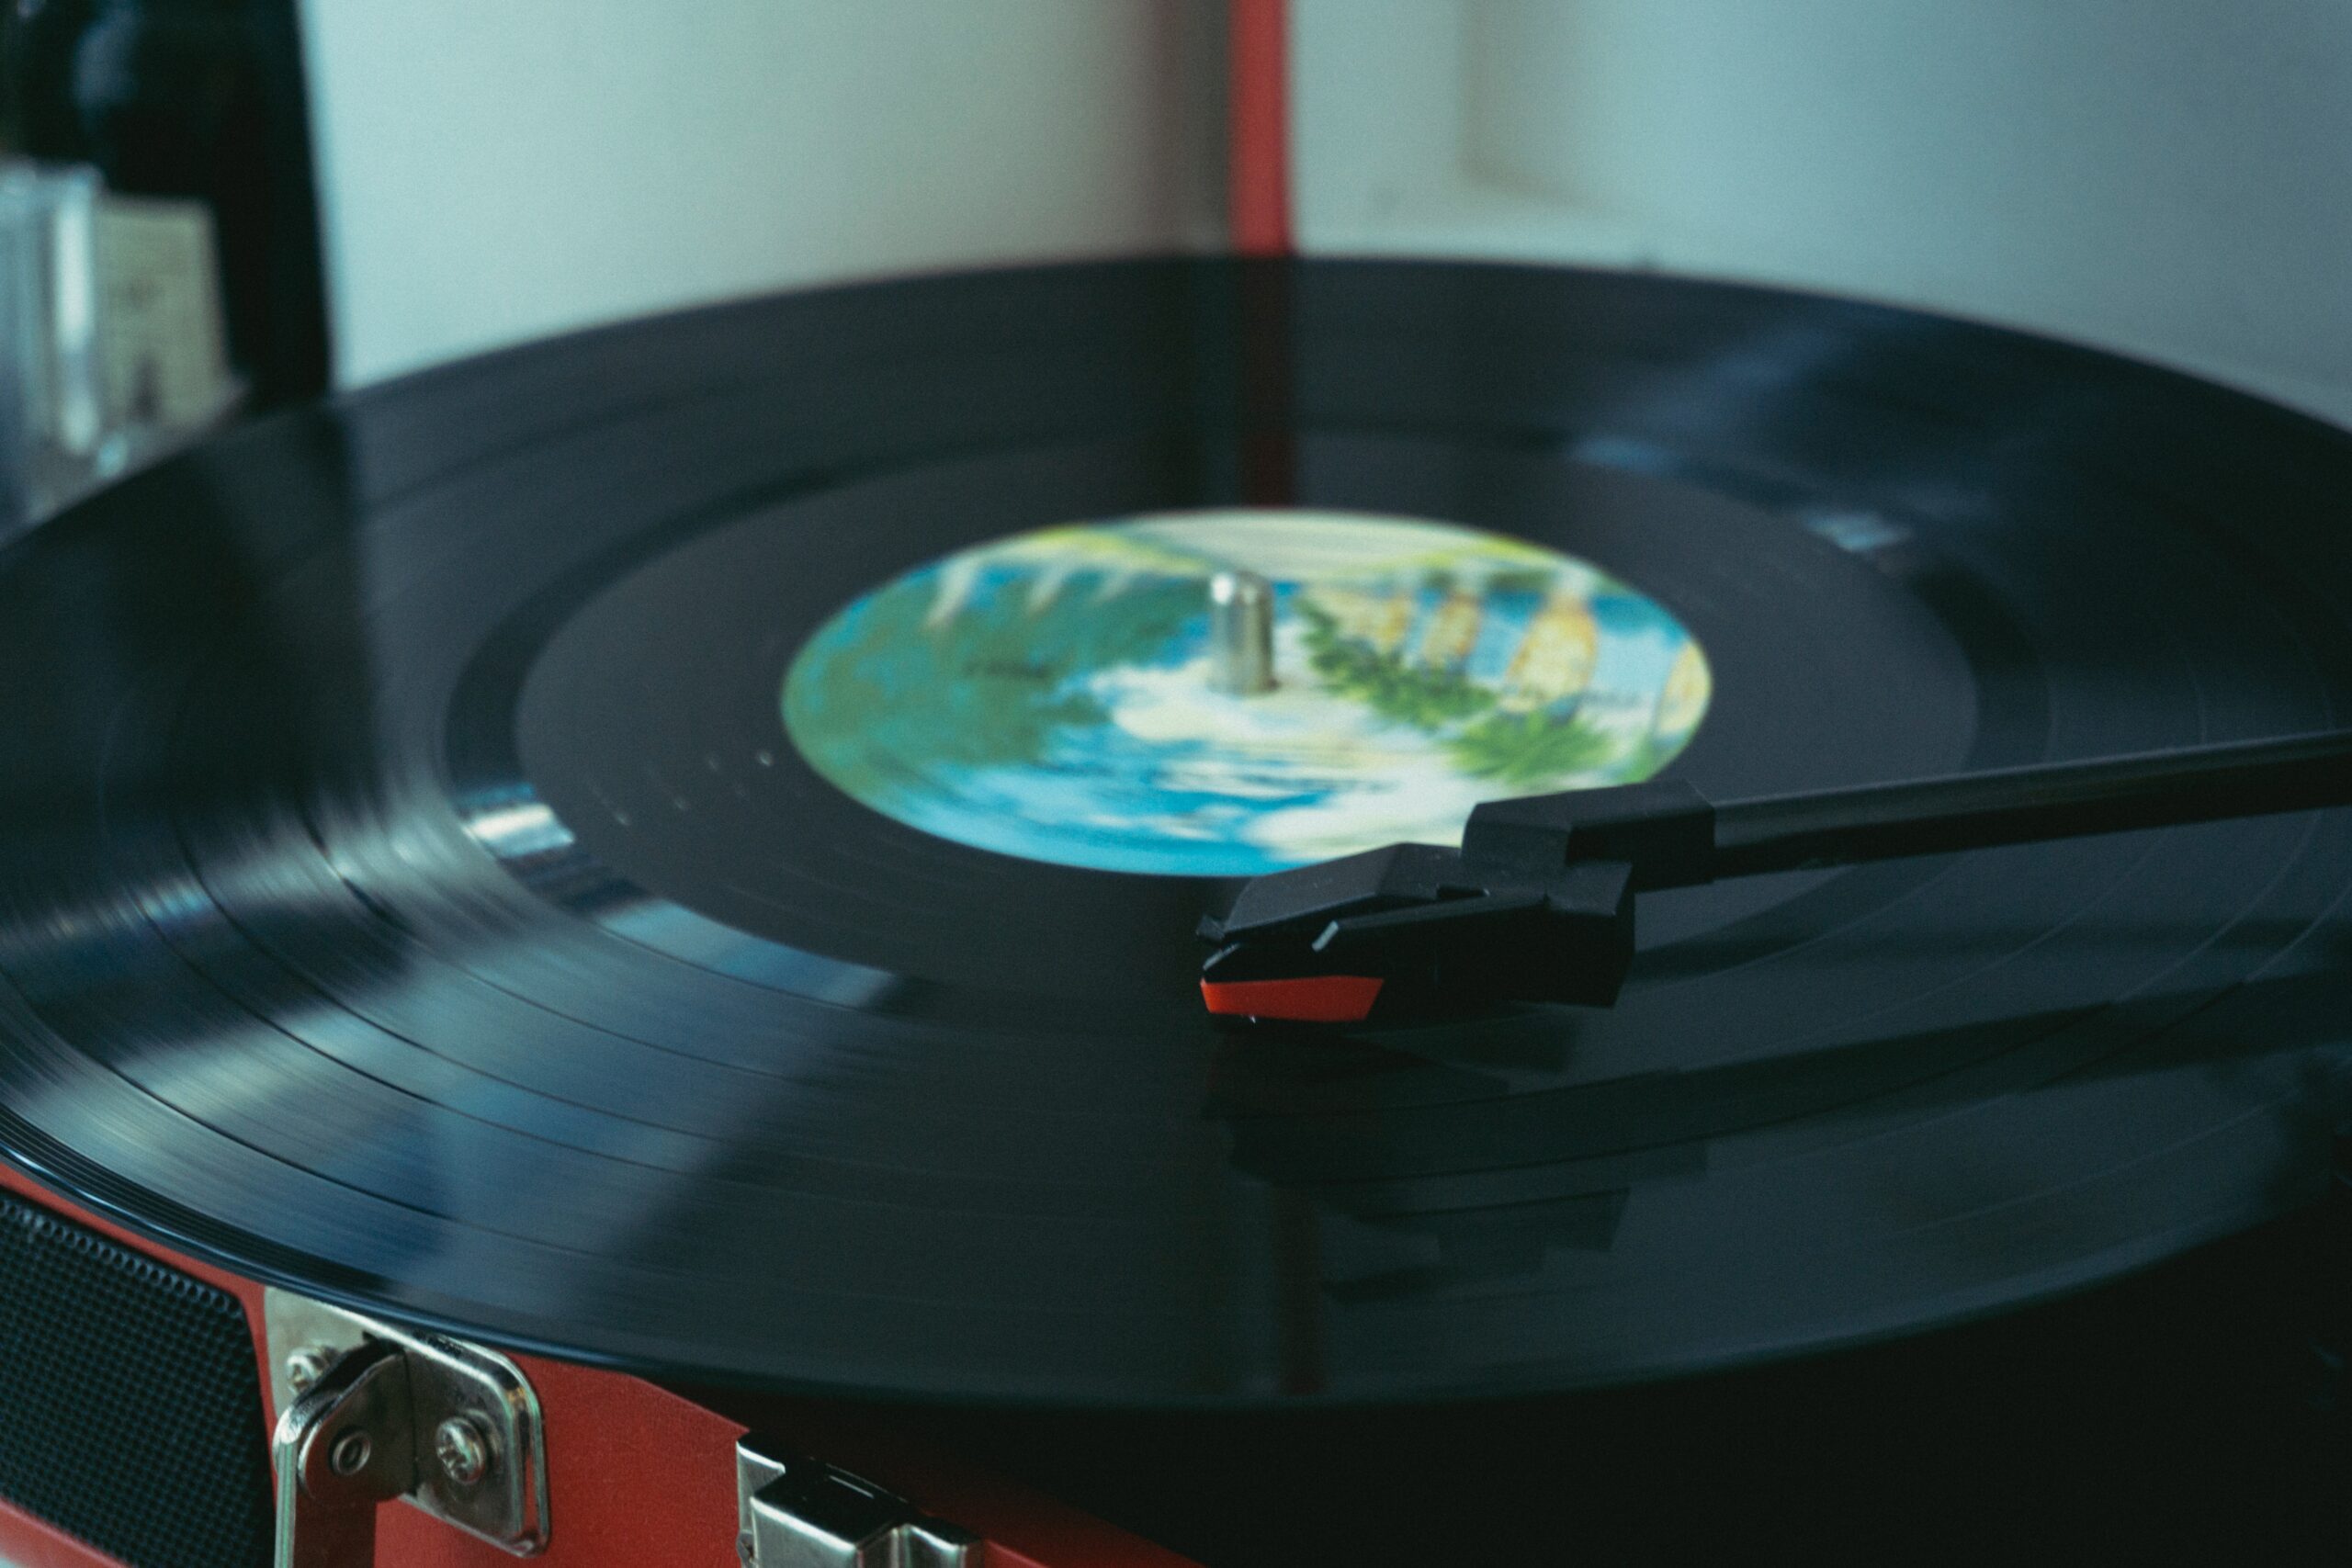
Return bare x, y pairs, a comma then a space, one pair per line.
368, 1412
795, 1512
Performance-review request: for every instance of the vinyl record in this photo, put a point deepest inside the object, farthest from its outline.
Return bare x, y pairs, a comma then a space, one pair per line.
680, 846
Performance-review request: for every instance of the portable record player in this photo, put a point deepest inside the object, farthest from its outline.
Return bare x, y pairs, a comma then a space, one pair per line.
609, 943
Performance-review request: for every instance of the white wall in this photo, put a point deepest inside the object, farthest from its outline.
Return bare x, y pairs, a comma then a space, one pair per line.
2170, 177
496, 170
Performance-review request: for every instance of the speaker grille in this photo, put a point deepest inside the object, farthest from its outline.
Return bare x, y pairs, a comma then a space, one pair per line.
130, 1411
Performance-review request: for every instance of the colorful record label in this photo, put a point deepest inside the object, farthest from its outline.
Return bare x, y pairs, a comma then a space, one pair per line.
1052, 694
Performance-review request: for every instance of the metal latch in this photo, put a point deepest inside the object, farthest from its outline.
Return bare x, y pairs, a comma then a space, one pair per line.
368, 1412
795, 1512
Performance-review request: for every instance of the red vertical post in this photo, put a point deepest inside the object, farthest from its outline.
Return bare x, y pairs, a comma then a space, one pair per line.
1258, 154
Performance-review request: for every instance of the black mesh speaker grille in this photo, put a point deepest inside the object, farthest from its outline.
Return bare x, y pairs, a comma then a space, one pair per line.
131, 1408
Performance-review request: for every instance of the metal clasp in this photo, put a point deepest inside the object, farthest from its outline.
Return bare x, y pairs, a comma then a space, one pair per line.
340, 1449
371, 1412
797, 1512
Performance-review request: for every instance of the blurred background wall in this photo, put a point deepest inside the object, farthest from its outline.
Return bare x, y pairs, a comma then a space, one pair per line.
497, 170
2171, 177
2168, 177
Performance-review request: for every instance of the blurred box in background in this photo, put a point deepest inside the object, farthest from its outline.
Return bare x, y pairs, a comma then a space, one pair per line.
158, 234
111, 340
52, 421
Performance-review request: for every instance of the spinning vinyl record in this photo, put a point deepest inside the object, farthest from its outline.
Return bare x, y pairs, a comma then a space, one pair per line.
680, 846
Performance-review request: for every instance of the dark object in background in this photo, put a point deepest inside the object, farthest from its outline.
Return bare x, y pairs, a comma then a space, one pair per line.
192, 98
37, 43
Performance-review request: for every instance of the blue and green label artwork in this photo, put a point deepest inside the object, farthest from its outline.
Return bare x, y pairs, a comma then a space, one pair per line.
1050, 694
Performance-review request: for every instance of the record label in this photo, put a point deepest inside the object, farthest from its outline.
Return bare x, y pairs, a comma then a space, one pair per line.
1050, 694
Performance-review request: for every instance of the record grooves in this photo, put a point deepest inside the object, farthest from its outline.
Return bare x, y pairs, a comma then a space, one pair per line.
413, 887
